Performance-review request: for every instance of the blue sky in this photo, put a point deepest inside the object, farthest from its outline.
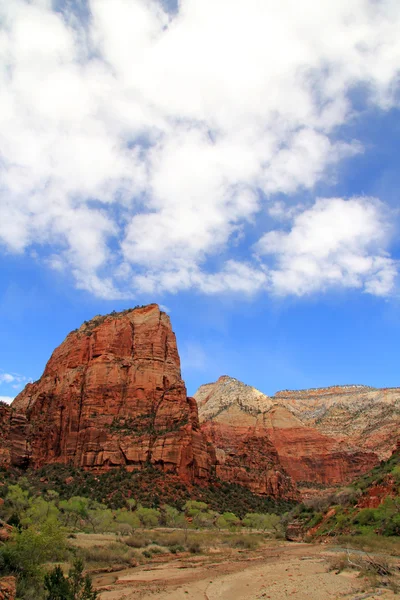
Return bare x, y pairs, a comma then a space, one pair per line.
235, 162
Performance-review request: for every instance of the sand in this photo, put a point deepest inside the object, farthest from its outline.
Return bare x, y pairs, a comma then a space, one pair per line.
287, 570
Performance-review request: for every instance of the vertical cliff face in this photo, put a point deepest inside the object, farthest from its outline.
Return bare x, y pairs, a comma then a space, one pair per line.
5, 450
310, 450
112, 395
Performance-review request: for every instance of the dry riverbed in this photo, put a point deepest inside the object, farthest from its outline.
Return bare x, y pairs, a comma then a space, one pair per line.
276, 570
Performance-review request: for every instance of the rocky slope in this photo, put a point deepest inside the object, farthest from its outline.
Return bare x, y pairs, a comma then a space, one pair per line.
111, 395
326, 436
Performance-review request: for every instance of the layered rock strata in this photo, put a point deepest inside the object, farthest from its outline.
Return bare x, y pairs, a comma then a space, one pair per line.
112, 395
361, 416
320, 436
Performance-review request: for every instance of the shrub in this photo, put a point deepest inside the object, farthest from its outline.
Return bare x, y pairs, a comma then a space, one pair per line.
137, 541
73, 587
247, 542
316, 520
367, 516
194, 548
111, 554
337, 563
177, 548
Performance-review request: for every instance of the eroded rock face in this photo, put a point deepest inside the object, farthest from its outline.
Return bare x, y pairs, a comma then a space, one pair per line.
5, 451
232, 415
311, 434
245, 455
360, 416
112, 395
8, 588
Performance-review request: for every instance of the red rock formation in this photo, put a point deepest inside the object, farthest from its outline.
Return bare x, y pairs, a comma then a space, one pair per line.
310, 456
5, 417
358, 416
288, 429
377, 493
245, 455
8, 588
112, 395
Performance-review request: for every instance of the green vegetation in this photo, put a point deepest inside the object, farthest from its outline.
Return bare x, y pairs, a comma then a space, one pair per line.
74, 587
46, 522
150, 487
147, 513
345, 513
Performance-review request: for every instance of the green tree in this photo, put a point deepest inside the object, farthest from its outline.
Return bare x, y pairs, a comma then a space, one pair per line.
75, 509
74, 587
148, 517
262, 521
26, 552
18, 500
193, 507
39, 511
128, 519
171, 516
231, 519
99, 517
57, 585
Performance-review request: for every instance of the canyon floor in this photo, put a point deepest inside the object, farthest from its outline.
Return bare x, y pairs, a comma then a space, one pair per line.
279, 570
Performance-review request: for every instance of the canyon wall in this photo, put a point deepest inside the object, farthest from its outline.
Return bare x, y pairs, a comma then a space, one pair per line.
322, 436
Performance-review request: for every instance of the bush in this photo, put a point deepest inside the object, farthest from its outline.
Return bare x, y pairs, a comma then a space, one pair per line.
73, 587
177, 548
112, 554
29, 549
316, 520
337, 563
247, 542
367, 516
194, 548
137, 541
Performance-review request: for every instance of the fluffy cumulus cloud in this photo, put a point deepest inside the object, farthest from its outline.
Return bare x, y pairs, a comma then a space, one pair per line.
335, 242
138, 147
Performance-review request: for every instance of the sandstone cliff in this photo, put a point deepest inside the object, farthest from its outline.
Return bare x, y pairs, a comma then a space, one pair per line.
112, 395
364, 417
309, 432
232, 416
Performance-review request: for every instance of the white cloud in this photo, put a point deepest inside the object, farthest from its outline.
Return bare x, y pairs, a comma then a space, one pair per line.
336, 242
134, 147
14, 379
6, 399
6, 378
